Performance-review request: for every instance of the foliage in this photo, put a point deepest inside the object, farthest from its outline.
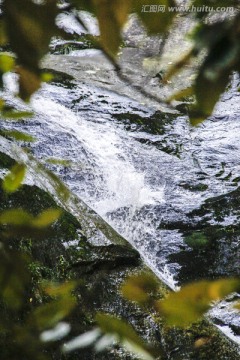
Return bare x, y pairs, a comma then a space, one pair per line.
183, 307
13, 180
111, 330
34, 26
27, 27
194, 300
22, 323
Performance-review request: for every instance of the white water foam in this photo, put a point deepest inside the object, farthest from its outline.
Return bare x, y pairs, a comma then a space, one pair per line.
118, 183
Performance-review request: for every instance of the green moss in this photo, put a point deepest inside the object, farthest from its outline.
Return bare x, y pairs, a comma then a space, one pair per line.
99, 284
194, 187
201, 341
156, 124
5, 161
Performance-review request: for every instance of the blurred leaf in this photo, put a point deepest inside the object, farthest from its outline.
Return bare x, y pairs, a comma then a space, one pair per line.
138, 350
201, 342
15, 115
237, 306
206, 36
2, 104
208, 92
175, 68
3, 35
82, 341
156, 21
13, 277
48, 315
7, 63
34, 26
16, 217
113, 325
196, 115
181, 94
111, 15
139, 287
59, 290
190, 303
123, 332
61, 189
19, 217
84, 5
18, 135
222, 59
29, 82
58, 162
46, 218
14, 179
47, 77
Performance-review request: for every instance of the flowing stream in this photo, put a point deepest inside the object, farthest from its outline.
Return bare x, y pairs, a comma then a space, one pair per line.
152, 177
148, 183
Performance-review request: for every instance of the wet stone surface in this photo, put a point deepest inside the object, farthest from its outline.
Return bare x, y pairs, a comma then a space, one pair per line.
183, 180
169, 189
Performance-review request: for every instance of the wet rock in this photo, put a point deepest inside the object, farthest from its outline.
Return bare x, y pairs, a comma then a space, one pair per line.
106, 257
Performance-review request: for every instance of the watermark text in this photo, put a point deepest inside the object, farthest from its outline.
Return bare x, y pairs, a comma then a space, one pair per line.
185, 9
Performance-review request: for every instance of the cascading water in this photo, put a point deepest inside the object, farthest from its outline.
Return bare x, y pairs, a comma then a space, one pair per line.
112, 172
144, 183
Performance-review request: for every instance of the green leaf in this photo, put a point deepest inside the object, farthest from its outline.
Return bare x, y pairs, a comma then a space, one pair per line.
190, 303
7, 63
139, 287
61, 189
3, 34
156, 20
46, 218
29, 82
123, 332
14, 276
237, 306
19, 217
181, 94
207, 36
63, 303
47, 77
113, 325
138, 350
16, 217
84, 5
34, 26
111, 15
208, 92
58, 162
59, 290
222, 59
11, 114
175, 68
49, 315
18, 135
2, 104
14, 179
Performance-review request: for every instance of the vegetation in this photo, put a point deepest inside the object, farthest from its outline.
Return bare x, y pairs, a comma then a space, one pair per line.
26, 28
